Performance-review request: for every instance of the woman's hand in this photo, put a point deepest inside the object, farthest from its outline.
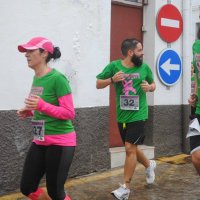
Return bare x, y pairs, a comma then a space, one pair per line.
32, 102
23, 113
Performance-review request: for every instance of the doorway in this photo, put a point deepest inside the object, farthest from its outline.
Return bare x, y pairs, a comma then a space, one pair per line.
126, 22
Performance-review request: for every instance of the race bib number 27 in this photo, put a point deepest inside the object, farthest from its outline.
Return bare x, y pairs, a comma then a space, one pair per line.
38, 129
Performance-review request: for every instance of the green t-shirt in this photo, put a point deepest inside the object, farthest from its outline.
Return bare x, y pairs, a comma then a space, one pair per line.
196, 64
129, 87
192, 83
50, 87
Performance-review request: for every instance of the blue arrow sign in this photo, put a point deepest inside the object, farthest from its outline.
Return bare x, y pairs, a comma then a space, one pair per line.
169, 67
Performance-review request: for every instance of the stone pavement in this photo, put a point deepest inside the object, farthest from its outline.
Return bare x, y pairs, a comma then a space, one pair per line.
176, 179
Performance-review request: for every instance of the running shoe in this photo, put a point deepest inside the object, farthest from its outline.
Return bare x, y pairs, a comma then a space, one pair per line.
150, 172
122, 193
67, 198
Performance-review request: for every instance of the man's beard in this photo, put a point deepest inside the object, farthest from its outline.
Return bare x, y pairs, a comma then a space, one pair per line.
136, 60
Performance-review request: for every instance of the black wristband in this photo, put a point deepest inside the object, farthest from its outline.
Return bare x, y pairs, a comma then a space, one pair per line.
111, 80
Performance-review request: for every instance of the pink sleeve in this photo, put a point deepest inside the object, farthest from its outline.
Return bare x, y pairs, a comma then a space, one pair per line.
30, 113
64, 111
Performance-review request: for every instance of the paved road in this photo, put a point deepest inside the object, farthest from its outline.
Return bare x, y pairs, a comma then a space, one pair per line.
176, 179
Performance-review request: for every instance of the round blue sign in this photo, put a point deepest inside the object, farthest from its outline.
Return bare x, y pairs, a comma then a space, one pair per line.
169, 67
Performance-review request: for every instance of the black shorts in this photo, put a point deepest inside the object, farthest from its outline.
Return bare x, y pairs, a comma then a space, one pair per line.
132, 132
195, 140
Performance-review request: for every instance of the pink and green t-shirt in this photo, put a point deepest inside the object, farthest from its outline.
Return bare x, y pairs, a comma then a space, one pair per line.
196, 64
55, 109
131, 103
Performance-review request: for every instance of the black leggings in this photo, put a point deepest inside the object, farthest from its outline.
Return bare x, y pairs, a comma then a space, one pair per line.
54, 161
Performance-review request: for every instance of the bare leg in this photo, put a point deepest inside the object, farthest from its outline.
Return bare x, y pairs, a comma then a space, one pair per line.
142, 158
130, 162
196, 160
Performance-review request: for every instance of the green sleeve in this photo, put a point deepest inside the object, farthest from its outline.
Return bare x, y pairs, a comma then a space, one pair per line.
195, 50
149, 77
62, 86
193, 53
107, 72
195, 68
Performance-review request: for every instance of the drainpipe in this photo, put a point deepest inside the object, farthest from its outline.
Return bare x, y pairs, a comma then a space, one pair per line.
186, 77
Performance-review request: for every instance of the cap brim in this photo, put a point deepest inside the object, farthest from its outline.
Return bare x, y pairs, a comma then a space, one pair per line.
24, 47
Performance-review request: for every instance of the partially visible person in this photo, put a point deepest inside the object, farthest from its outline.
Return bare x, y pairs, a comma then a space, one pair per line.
132, 79
194, 100
193, 79
51, 106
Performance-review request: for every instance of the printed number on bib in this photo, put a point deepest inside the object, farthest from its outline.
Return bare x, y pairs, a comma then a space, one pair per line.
38, 129
129, 102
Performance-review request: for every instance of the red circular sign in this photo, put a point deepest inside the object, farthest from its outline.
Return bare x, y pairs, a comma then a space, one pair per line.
169, 23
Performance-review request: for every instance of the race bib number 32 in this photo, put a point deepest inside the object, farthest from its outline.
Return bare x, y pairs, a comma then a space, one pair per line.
129, 102
38, 129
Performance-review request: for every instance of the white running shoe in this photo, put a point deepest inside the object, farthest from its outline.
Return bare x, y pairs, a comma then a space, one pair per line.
122, 193
150, 172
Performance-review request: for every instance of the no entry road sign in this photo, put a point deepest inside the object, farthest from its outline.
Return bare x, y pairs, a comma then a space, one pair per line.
169, 23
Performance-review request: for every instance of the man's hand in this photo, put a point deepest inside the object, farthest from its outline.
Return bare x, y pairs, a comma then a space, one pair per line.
145, 86
193, 99
119, 76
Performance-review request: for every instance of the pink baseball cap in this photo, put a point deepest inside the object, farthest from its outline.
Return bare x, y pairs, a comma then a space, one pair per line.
36, 43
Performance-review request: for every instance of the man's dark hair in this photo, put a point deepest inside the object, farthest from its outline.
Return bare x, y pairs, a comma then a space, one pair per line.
128, 44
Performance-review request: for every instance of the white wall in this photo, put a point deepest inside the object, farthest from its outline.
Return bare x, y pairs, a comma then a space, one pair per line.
81, 28
195, 3
153, 45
